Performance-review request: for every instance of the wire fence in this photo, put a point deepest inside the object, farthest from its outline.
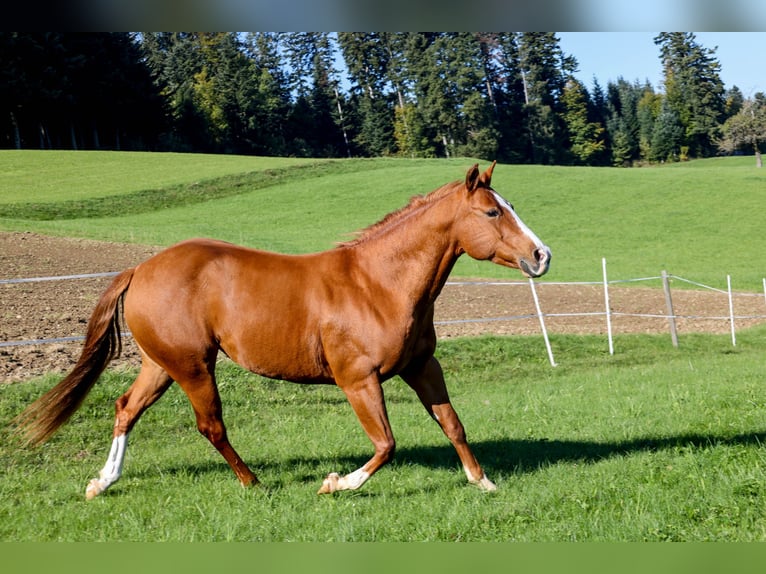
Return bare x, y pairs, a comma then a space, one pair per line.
608, 313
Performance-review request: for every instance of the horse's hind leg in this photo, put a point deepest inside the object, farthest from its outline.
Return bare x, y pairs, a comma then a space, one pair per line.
151, 383
203, 394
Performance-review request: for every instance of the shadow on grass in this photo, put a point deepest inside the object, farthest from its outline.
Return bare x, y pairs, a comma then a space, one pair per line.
515, 456
497, 457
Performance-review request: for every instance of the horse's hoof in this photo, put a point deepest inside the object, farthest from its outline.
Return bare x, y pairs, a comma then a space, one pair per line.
486, 484
93, 489
330, 484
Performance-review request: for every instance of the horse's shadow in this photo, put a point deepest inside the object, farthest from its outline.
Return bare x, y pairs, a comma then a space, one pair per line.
497, 457
514, 456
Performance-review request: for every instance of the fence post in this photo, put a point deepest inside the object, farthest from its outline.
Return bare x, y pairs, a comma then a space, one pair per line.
731, 312
608, 310
542, 322
764, 288
669, 304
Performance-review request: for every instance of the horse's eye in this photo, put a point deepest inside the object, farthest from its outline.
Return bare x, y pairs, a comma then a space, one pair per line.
493, 212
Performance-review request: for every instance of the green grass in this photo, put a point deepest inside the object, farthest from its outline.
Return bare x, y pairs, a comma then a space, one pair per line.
52, 176
701, 220
652, 444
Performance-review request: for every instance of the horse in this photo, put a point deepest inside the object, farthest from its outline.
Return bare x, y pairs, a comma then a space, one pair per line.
355, 316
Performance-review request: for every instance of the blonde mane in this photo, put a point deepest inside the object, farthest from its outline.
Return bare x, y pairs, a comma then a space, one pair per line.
415, 204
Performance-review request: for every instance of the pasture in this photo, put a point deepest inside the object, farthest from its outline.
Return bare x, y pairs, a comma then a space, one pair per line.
654, 443
701, 220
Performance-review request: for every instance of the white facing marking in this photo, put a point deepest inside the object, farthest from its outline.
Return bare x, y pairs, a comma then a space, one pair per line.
526, 230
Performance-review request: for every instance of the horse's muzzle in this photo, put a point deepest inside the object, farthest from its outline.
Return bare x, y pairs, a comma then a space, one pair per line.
538, 267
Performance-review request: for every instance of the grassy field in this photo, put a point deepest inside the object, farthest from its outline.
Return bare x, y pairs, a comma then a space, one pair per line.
61, 176
654, 444
701, 220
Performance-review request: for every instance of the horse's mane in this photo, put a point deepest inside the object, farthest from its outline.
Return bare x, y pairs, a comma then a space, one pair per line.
415, 204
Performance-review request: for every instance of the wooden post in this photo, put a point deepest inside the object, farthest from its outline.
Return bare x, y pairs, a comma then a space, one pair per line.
669, 305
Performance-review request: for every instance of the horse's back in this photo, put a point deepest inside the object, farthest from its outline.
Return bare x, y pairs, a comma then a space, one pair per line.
259, 307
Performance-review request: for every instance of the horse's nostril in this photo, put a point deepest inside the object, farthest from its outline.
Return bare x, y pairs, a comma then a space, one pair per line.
542, 258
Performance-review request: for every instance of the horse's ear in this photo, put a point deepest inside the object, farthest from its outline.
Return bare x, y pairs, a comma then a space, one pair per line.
472, 178
486, 177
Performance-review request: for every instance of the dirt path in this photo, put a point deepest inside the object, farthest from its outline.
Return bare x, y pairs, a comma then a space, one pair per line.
60, 309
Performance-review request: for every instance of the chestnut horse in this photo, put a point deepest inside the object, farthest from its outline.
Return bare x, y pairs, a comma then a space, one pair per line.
353, 316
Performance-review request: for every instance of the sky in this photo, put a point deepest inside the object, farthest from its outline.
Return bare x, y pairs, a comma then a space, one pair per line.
634, 56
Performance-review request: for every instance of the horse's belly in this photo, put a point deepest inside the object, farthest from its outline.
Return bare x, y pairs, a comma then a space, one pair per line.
278, 356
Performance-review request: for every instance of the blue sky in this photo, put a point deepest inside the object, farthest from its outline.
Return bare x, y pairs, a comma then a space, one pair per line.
634, 56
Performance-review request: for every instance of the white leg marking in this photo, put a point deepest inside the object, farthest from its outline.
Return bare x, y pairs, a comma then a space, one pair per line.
112, 469
482, 482
351, 481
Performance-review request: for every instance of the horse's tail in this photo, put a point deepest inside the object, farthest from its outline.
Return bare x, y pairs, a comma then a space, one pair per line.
102, 343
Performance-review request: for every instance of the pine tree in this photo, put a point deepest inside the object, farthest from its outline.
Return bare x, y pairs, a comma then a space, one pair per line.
174, 58
693, 89
734, 102
225, 91
266, 122
76, 90
368, 58
647, 111
316, 121
510, 100
544, 70
586, 137
435, 94
417, 123
482, 105
623, 124
667, 136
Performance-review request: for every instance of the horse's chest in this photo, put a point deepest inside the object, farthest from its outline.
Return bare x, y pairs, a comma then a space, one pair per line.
400, 345
381, 345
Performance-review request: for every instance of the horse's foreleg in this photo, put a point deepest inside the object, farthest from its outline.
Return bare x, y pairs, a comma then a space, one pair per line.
149, 386
428, 382
366, 398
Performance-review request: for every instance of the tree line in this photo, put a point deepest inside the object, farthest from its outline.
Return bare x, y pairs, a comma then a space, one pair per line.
508, 96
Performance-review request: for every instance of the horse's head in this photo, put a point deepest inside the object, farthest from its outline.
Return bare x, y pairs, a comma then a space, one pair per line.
491, 230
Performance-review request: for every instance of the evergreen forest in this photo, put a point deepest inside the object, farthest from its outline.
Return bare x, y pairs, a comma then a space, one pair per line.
509, 96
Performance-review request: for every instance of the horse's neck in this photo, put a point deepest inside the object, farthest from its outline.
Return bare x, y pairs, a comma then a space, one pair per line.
416, 256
